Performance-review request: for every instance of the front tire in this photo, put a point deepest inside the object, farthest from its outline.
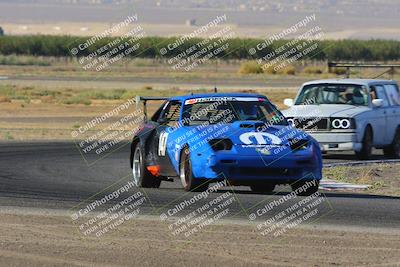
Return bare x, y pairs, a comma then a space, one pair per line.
141, 176
366, 149
189, 182
393, 151
311, 189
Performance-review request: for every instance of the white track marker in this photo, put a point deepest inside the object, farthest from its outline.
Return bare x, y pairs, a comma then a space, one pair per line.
330, 185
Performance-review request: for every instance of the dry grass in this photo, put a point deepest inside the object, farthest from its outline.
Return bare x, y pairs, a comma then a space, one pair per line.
36, 113
5, 99
150, 68
383, 178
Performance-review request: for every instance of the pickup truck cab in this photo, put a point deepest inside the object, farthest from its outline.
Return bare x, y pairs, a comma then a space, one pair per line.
349, 114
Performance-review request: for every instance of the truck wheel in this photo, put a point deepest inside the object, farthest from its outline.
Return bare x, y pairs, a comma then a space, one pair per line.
262, 188
189, 182
311, 189
141, 176
366, 150
393, 151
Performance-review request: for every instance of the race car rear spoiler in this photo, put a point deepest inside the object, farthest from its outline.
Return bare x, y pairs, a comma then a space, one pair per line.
144, 99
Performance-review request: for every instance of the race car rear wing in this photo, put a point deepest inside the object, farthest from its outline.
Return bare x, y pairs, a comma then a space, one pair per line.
144, 99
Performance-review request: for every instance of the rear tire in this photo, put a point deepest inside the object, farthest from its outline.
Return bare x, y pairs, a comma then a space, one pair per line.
189, 182
141, 176
366, 150
262, 188
393, 151
308, 191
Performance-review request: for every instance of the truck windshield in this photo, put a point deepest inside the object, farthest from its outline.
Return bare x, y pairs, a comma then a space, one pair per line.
350, 94
226, 110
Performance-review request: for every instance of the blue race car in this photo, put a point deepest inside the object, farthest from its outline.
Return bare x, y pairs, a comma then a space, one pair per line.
240, 138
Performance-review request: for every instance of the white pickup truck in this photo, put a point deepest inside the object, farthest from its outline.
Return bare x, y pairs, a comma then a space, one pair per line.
349, 114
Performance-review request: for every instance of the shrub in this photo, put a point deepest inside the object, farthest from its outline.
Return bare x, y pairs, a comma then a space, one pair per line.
313, 70
250, 67
109, 95
23, 61
129, 95
339, 71
289, 70
270, 70
335, 50
47, 99
4, 99
77, 100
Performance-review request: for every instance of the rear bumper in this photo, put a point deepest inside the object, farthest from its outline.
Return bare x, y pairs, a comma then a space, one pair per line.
337, 141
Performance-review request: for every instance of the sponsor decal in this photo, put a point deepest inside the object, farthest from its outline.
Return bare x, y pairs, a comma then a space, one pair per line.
260, 138
162, 143
191, 101
225, 98
177, 152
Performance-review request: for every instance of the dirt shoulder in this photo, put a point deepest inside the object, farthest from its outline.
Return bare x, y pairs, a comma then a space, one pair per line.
52, 240
384, 179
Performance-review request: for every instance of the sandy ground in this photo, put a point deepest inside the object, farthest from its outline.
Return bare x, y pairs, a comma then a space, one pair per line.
52, 240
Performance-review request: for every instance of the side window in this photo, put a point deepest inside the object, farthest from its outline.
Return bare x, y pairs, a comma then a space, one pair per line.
157, 114
308, 92
380, 93
171, 112
392, 92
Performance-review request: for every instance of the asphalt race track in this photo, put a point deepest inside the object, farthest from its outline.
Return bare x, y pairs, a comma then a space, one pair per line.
55, 175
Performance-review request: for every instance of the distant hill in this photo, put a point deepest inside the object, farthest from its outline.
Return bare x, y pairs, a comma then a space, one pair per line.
335, 6
339, 19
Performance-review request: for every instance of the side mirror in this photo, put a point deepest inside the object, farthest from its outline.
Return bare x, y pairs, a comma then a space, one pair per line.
377, 103
288, 102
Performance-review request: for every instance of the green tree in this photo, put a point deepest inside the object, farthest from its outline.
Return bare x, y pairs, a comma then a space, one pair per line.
1, 31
